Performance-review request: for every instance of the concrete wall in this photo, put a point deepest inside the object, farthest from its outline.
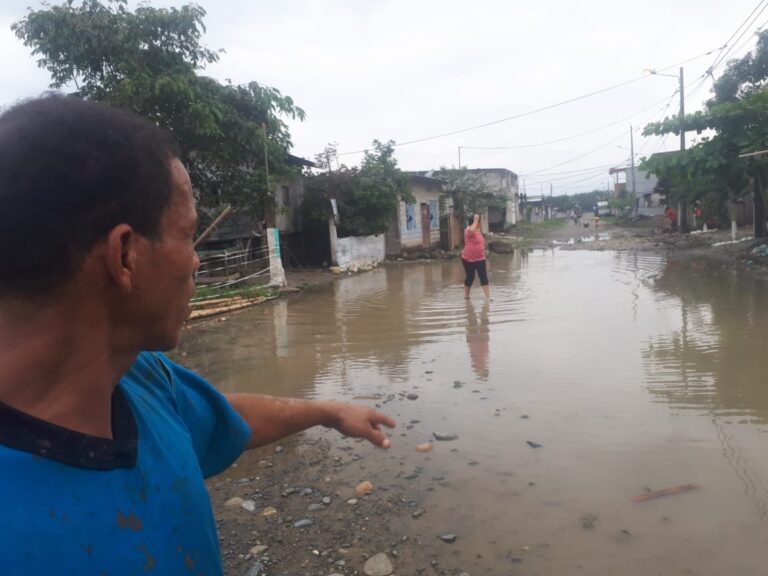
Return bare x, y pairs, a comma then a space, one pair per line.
287, 214
359, 251
643, 183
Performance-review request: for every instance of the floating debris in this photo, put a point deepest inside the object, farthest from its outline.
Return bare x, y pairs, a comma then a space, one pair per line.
665, 492
364, 488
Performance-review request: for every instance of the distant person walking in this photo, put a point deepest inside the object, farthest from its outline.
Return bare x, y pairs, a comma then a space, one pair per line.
473, 257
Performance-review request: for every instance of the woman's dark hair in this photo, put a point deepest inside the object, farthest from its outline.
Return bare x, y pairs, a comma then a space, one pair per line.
70, 171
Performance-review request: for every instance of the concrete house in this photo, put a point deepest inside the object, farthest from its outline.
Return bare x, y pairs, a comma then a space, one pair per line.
416, 225
504, 182
242, 232
649, 201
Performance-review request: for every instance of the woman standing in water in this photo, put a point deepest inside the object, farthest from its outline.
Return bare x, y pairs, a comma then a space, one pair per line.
473, 257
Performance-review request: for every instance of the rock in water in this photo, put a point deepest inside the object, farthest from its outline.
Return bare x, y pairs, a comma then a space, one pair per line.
233, 502
445, 437
364, 488
378, 565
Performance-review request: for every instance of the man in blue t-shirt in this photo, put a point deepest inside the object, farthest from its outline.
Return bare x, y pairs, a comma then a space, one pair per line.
104, 446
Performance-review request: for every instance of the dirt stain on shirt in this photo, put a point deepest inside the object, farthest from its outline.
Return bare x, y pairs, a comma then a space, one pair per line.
130, 522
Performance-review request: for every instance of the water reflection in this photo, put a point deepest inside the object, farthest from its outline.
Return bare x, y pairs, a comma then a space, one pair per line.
714, 355
478, 339
629, 371
714, 361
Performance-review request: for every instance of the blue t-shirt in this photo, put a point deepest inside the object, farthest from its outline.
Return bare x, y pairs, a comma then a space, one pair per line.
73, 504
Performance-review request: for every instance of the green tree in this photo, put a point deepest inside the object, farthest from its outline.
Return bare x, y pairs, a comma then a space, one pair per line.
737, 115
366, 197
148, 61
468, 191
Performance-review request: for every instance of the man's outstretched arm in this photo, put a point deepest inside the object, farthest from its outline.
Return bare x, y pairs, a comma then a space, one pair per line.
273, 418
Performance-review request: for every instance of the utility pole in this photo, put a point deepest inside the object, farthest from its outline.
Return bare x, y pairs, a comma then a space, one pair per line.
459, 158
270, 212
682, 208
632, 164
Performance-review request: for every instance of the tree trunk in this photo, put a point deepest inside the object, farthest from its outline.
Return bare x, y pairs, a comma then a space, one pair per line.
683, 216
760, 231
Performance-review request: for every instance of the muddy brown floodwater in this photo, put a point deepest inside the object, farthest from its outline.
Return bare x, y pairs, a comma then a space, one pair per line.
632, 372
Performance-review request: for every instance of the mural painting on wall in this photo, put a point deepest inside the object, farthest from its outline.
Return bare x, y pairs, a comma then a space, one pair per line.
410, 216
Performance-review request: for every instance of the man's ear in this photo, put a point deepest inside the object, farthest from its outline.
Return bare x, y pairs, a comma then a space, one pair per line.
121, 256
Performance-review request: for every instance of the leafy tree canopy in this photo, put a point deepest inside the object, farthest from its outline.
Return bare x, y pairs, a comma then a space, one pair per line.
737, 116
366, 197
469, 192
148, 61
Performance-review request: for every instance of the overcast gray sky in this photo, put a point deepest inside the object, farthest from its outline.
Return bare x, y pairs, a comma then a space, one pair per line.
412, 69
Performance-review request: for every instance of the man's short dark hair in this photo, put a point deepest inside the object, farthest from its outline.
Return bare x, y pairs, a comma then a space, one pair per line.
70, 171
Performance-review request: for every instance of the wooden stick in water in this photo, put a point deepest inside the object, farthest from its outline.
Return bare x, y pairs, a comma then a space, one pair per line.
665, 492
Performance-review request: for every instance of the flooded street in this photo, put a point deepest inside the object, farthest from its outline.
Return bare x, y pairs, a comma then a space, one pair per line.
632, 372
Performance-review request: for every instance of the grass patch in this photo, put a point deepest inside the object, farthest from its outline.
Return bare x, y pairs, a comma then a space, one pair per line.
210, 292
534, 229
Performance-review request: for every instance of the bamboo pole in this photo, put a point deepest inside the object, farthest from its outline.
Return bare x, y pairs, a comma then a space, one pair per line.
213, 225
199, 314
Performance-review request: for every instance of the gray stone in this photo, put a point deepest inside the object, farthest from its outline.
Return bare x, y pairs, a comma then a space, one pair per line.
249, 505
444, 437
314, 507
412, 396
326, 500
306, 492
233, 502
278, 449
255, 570
304, 523
378, 565
259, 549
449, 538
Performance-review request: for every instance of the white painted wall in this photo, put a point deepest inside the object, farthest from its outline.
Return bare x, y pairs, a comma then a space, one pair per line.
359, 251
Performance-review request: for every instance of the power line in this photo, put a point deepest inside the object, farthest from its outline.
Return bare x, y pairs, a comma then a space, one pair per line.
579, 170
722, 55
574, 135
622, 135
581, 177
727, 42
750, 38
530, 112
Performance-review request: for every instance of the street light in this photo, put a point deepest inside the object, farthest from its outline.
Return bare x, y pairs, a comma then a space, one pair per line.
682, 215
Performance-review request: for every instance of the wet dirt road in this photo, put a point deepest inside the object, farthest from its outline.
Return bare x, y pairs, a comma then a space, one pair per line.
630, 372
